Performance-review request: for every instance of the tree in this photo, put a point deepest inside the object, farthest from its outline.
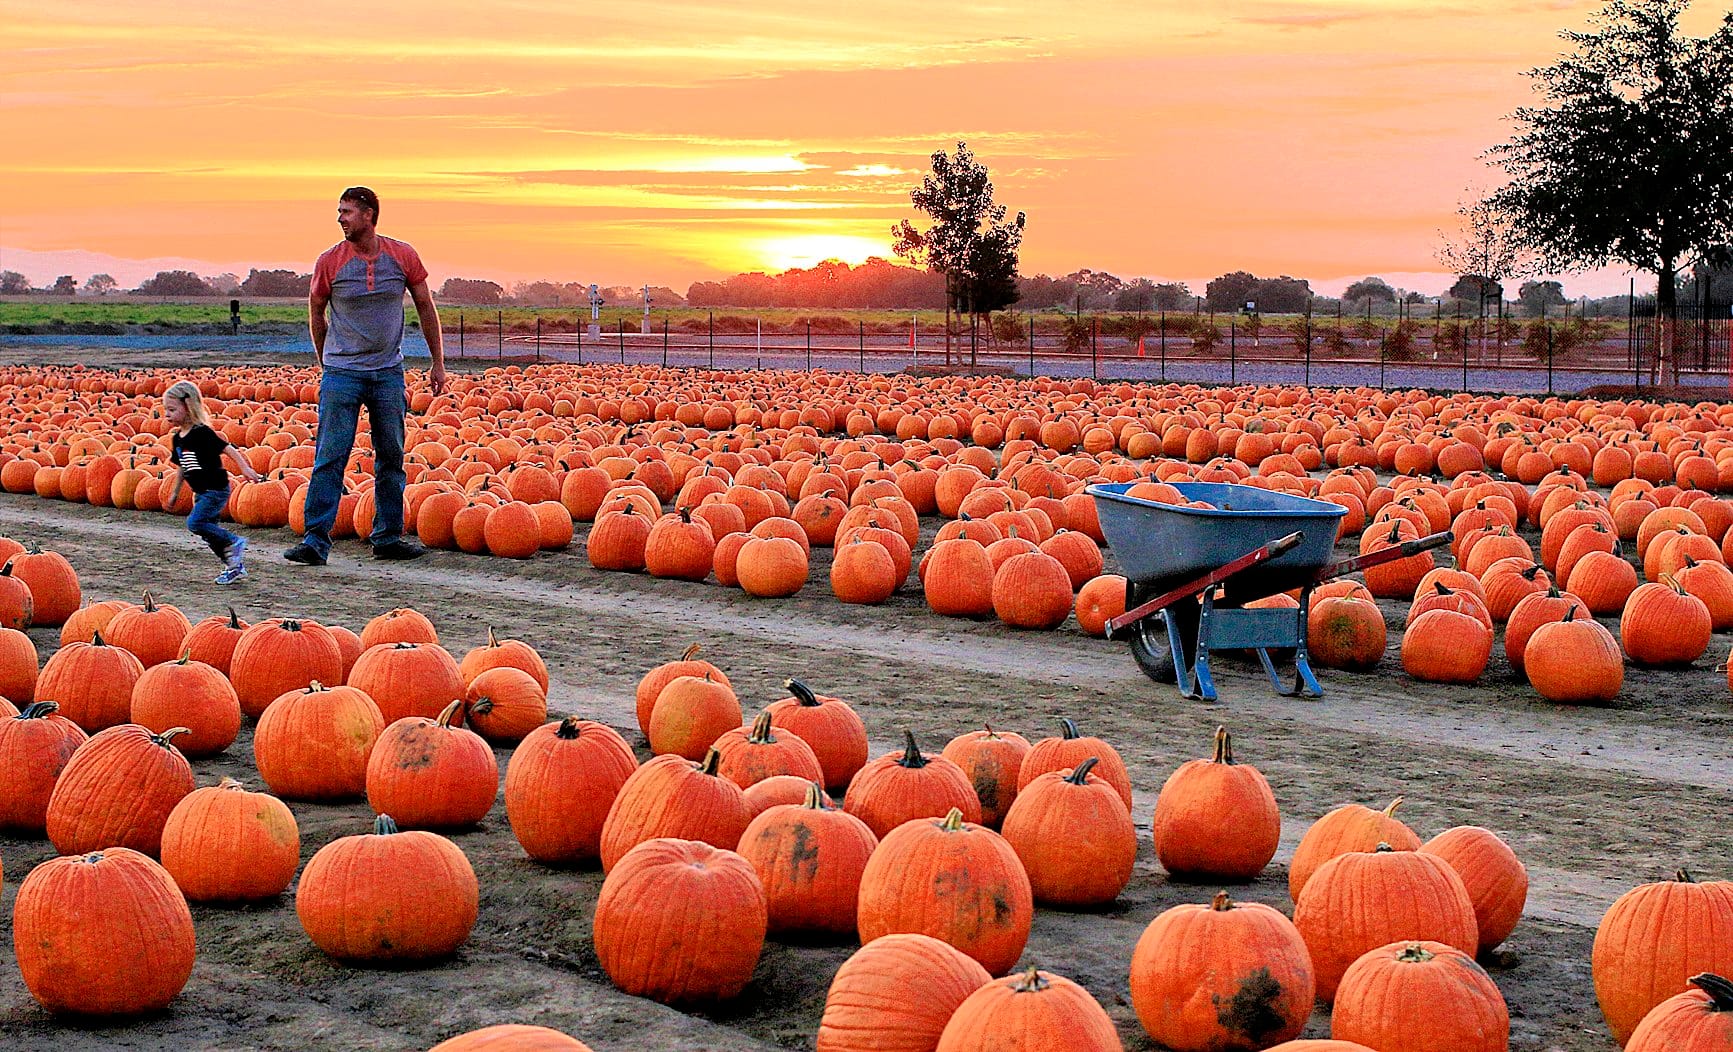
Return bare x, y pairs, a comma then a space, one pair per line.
1172, 295
1230, 291
1476, 287
175, 283
278, 283
1283, 295
65, 285
224, 284
1485, 247
1537, 296
969, 242
100, 284
473, 292
13, 283
1369, 290
1629, 157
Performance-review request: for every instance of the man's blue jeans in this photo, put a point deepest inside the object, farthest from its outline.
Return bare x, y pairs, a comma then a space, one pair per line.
342, 393
202, 520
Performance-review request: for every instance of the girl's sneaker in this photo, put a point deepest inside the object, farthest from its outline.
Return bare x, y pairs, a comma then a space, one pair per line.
236, 552
232, 575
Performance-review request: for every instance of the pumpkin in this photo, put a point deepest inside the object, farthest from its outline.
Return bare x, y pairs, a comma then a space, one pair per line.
1367, 899
771, 567
868, 1007
189, 694
1099, 601
35, 746
673, 797
957, 577
1446, 646
680, 921
154, 634
1653, 939
92, 682
559, 785
752, 754
1496, 880
1529, 614
400, 625
18, 669
1575, 660
1663, 625
503, 652
1230, 975
213, 640
688, 664
313, 743
512, 1037
1032, 591
1033, 1011
691, 713
408, 679
1345, 632
828, 725
1203, 799
1068, 750
281, 655
1074, 837
1699, 1020
117, 791
680, 547
957, 881
428, 774
1319, 1046
1418, 996
992, 762
616, 541
777, 789
1351, 827
503, 704
224, 843
54, 592
863, 572
900, 787
102, 933
809, 859
388, 896
17, 605
1604, 581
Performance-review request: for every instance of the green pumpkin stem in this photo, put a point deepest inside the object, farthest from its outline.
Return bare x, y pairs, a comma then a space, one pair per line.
1030, 982
1414, 953
1684, 876
1720, 991
169, 735
96, 638
953, 821
1390, 812
1224, 746
817, 799
1221, 903
761, 731
37, 709
452, 713
1080, 775
912, 757
568, 729
1068, 729
711, 762
802, 693
384, 825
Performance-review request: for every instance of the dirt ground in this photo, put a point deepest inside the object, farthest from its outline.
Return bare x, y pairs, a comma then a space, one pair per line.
1594, 800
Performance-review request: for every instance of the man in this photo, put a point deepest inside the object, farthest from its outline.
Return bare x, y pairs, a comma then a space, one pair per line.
361, 281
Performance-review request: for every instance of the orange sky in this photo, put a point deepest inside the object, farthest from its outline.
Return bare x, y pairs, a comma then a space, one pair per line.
669, 141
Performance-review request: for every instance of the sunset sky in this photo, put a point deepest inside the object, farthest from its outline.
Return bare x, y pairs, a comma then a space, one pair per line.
668, 141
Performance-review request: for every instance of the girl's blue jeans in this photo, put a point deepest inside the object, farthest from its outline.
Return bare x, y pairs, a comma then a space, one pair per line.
207, 510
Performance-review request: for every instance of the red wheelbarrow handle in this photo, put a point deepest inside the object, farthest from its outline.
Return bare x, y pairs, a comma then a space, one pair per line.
1382, 556
1208, 580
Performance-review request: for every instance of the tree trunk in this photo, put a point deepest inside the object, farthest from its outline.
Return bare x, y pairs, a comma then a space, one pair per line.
1667, 316
947, 319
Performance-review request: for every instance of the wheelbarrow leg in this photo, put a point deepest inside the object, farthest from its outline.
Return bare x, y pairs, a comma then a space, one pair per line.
1304, 682
1205, 686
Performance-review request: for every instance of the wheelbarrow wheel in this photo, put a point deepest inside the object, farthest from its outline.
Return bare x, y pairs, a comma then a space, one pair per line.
1150, 650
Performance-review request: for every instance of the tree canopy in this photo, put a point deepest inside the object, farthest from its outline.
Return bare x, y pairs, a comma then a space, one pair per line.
969, 241
1628, 158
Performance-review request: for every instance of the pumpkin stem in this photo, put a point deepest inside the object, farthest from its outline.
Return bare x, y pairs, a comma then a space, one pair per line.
149, 603
289, 624
1221, 903
816, 798
1224, 746
1068, 729
384, 825
450, 713
912, 757
96, 638
491, 641
712, 760
1390, 812
1030, 982
231, 783
1440, 586
1684, 876
802, 693
315, 687
1720, 991
1384, 848
691, 652
953, 821
166, 736
186, 655
1080, 775
760, 733
1414, 954
37, 709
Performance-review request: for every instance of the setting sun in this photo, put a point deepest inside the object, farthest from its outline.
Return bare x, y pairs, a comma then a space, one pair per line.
805, 250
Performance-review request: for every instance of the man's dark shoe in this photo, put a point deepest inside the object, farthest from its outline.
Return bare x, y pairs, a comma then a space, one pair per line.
305, 554
399, 550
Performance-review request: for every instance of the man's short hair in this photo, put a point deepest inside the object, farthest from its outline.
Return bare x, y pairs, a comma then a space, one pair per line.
365, 198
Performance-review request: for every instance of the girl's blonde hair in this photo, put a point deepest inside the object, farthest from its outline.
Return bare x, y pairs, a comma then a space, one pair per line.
187, 393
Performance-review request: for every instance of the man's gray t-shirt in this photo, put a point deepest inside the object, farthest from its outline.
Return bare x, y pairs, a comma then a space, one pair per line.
366, 295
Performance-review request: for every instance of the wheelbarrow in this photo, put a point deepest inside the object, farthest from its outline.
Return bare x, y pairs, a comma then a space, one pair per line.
1190, 571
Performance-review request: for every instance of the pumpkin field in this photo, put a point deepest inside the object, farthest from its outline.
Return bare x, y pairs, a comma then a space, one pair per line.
595, 828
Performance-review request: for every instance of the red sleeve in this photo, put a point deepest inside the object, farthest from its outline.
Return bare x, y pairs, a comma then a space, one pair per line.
324, 271
408, 260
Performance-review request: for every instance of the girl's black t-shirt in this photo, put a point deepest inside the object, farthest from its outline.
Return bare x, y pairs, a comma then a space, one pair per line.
199, 453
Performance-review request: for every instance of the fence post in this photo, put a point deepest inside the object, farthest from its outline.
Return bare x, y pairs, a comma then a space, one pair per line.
622, 339
1380, 361
1233, 351
713, 341
1464, 363
1631, 335
499, 337
538, 338
862, 324
809, 345
1094, 348
1549, 360
1031, 346
664, 342
1309, 352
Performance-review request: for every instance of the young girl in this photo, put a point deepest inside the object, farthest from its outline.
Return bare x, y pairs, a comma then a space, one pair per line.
199, 452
